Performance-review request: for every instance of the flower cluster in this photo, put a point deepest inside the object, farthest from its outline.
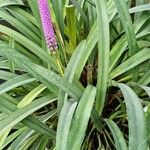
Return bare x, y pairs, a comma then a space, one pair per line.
47, 24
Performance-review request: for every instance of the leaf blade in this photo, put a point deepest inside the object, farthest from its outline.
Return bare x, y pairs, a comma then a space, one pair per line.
137, 126
103, 53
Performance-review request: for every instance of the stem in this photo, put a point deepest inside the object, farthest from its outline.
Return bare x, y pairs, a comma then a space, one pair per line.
58, 62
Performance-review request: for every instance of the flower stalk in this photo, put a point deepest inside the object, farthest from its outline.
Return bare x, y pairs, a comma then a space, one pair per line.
48, 30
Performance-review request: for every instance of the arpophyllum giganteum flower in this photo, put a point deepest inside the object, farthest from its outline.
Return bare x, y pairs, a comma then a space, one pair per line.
47, 24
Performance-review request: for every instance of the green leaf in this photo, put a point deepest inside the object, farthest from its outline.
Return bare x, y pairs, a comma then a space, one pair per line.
59, 8
117, 51
15, 82
70, 71
34, 7
36, 143
11, 137
130, 63
16, 144
139, 3
137, 126
121, 45
29, 132
120, 143
90, 44
21, 115
81, 118
129, 29
49, 78
26, 15
103, 53
140, 8
25, 101
20, 26
31, 96
71, 25
5, 75
81, 12
92, 39
25, 18
64, 124
43, 143
7, 3
146, 88
29, 142
147, 117
34, 48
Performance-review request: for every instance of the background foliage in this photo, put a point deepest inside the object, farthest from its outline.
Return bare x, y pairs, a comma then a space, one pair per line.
100, 101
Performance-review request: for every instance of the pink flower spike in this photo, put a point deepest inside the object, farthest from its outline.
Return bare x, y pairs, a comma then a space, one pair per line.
47, 24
